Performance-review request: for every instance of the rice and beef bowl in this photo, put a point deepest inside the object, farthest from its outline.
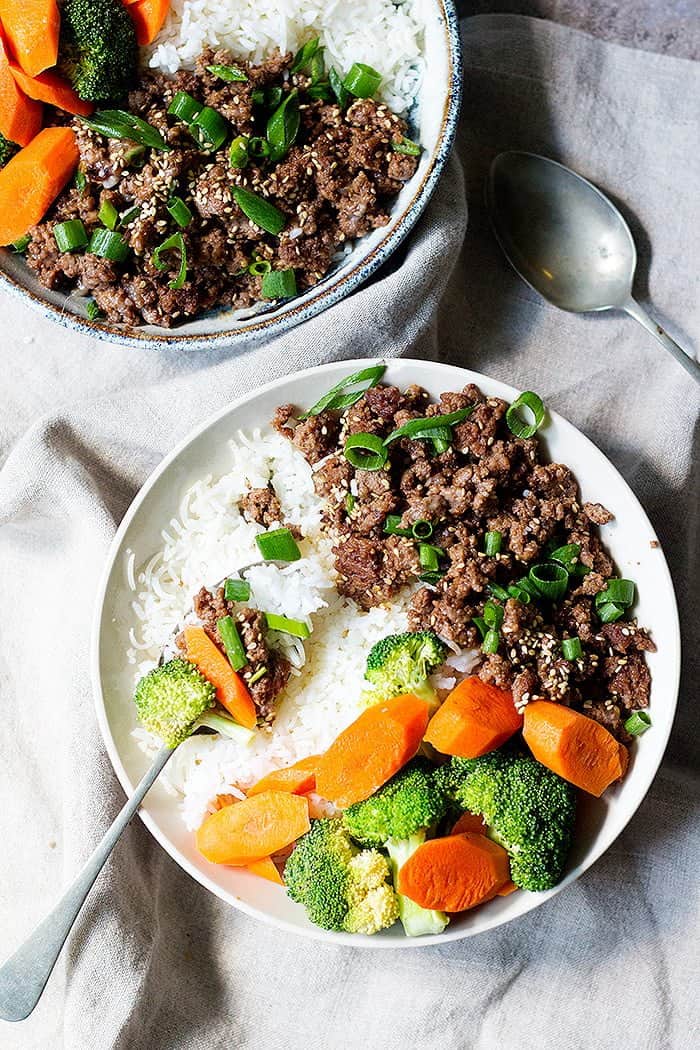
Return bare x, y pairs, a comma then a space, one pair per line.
389, 649
230, 161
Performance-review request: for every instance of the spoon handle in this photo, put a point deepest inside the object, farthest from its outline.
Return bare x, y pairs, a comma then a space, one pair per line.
24, 975
691, 366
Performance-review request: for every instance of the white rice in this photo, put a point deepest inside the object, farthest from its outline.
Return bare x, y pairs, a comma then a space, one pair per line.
384, 34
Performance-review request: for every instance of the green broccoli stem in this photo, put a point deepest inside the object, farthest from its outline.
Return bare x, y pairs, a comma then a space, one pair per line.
225, 726
416, 921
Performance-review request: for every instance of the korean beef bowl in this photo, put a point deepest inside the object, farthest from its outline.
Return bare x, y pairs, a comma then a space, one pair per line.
204, 173
412, 643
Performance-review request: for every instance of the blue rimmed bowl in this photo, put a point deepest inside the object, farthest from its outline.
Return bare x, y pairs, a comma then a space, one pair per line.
434, 124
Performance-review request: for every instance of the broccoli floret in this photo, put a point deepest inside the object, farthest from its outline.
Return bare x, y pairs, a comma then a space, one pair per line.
341, 887
528, 809
98, 50
401, 663
7, 150
396, 817
170, 699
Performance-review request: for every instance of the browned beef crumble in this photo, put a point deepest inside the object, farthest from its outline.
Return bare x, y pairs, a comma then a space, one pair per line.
488, 480
336, 183
261, 506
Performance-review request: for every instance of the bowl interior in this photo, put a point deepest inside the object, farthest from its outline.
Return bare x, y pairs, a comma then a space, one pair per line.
433, 121
629, 539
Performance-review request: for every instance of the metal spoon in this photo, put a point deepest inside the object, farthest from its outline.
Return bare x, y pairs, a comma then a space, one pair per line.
23, 977
568, 241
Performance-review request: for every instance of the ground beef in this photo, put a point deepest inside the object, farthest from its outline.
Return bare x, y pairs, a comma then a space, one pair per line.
335, 184
262, 506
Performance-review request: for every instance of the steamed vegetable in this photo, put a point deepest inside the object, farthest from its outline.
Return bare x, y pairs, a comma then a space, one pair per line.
298, 778
401, 663
98, 49
170, 699
20, 116
32, 180
475, 718
51, 88
148, 17
266, 869
32, 27
454, 873
231, 691
253, 828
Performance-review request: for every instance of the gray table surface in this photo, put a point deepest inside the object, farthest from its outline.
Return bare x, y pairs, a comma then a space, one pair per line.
671, 27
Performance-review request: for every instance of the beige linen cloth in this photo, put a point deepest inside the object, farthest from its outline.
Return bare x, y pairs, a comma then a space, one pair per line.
155, 961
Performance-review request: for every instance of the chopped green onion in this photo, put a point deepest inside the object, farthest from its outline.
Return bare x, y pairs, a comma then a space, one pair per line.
238, 152
185, 107
118, 124
22, 244
571, 648
129, 215
135, 153
92, 310
392, 525
566, 555
297, 628
176, 242
493, 615
519, 593
279, 284
350, 502
321, 90
278, 545
498, 592
491, 642
108, 215
108, 245
407, 146
273, 96
260, 673
235, 650
441, 437
422, 530
638, 723
527, 585
481, 625
259, 267
236, 590
70, 235
258, 96
362, 81
550, 579
515, 421
317, 66
432, 577
179, 211
80, 181
423, 428
492, 542
259, 211
228, 73
304, 55
258, 148
337, 399
609, 612
429, 556
209, 129
339, 90
621, 592
440, 444
365, 451
283, 126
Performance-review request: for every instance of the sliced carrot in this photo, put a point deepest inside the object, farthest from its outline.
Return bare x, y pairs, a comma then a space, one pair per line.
266, 869
148, 17
32, 28
52, 88
454, 873
231, 691
469, 822
576, 747
475, 718
254, 828
33, 178
299, 778
20, 117
371, 750
506, 889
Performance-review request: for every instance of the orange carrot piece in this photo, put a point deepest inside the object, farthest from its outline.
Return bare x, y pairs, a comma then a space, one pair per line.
374, 747
148, 17
576, 747
469, 822
32, 28
454, 873
299, 778
231, 691
506, 889
475, 718
266, 869
52, 88
33, 178
253, 829
20, 117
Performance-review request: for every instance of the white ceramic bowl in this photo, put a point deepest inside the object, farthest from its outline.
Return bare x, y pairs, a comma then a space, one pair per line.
433, 123
629, 539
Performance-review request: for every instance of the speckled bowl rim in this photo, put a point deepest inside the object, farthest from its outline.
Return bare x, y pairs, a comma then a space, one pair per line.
255, 329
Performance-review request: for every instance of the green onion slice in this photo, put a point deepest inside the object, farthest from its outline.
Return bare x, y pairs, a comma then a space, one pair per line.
433, 577
238, 152
278, 545
129, 215
567, 555
317, 66
259, 211
184, 106
422, 530
392, 525
338, 87
176, 242
338, 397
429, 556
259, 267
21, 244
236, 590
491, 642
638, 723
362, 81
492, 542
365, 451
297, 628
440, 444
493, 615
519, 426
621, 592
228, 73
498, 592
179, 211
350, 502
108, 215
609, 612
80, 181
304, 55
118, 124
258, 147
422, 428
571, 648
407, 146
260, 673
279, 284
209, 129
519, 593
481, 625
527, 585
108, 245
92, 310
321, 90
70, 235
235, 650
283, 126
550, 579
